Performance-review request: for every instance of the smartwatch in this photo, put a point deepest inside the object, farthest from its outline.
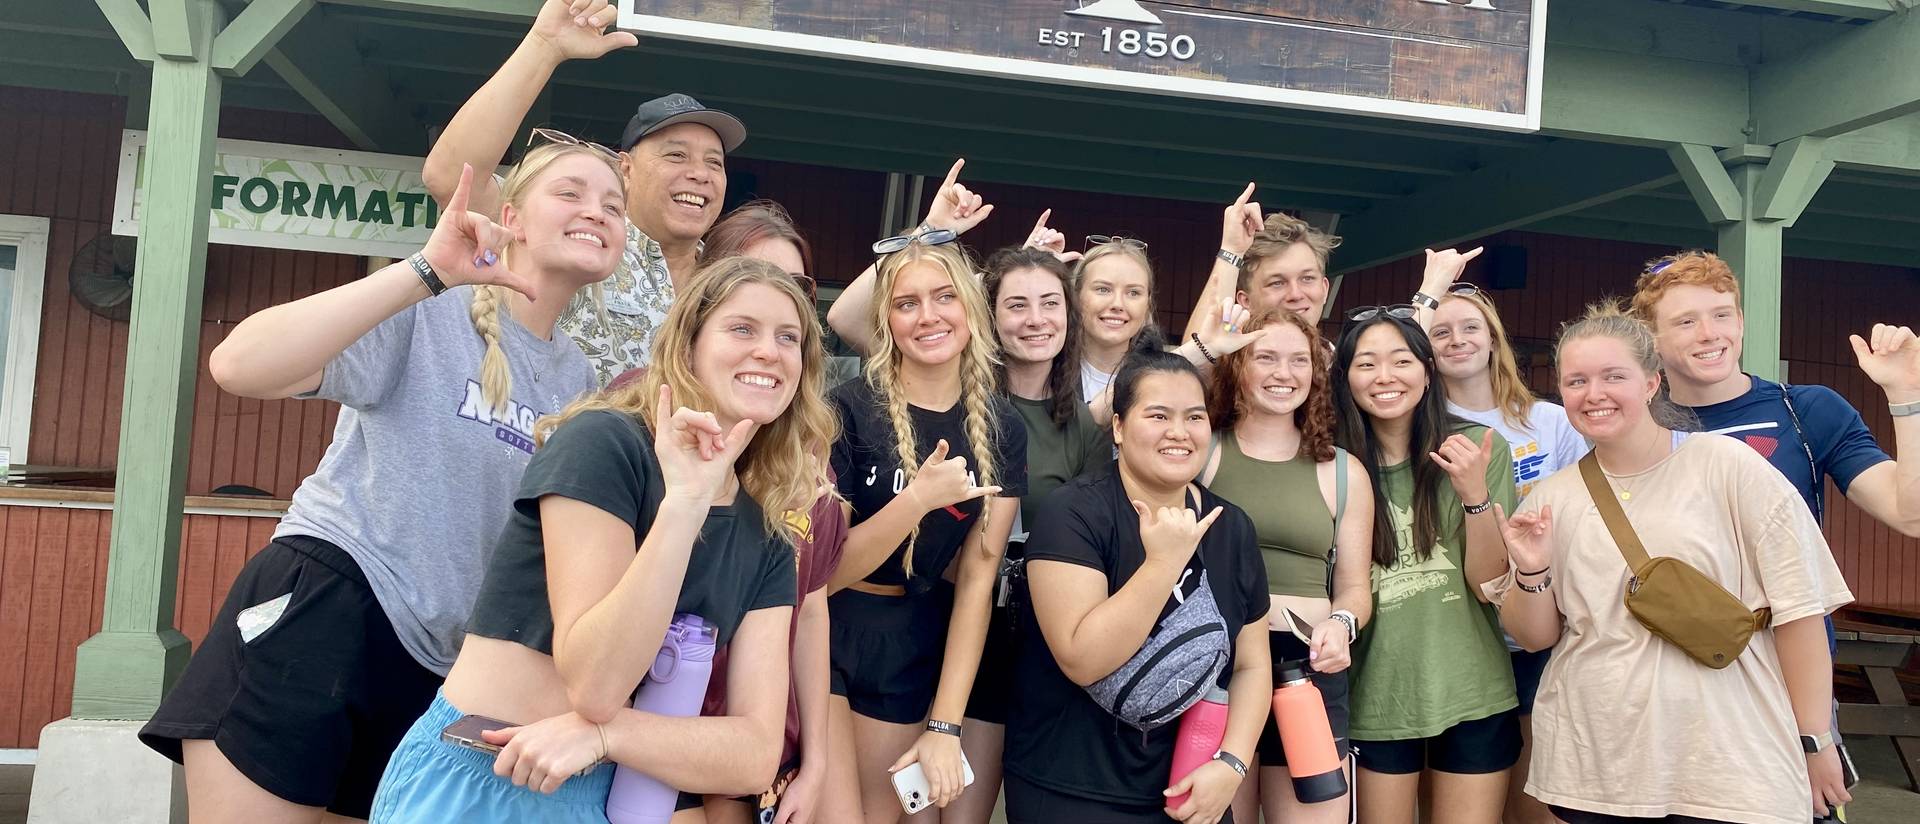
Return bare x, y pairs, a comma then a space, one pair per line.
1814, 743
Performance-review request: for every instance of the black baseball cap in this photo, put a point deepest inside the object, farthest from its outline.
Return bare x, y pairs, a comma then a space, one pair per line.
661, 112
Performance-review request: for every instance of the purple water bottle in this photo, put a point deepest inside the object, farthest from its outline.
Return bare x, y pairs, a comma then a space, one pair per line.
675, 686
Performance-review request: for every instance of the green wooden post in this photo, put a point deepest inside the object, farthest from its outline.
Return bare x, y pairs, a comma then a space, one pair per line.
122, 672
1752, 195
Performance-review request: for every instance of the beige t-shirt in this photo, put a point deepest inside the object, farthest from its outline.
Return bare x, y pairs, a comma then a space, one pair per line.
1626, 724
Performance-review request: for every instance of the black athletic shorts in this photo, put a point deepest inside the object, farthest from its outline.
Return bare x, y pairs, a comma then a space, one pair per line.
1484, 745
1030, 803
311, 706
1583, 817
887, 651
1527, 669
1333, 693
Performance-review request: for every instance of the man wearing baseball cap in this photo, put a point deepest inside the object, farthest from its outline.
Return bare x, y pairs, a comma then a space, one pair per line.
674, 161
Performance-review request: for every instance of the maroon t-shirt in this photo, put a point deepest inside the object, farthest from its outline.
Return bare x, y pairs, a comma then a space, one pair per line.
817, 554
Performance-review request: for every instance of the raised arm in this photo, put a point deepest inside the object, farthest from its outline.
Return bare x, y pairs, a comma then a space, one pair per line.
1443, 269
283, 351
484, 128
940, 482
954, 207
1532, 618
611, 604
1481, 473
1238, 224
1090, 632
1890, 491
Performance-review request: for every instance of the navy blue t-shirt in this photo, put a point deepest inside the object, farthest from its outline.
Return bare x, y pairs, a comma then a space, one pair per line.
1842, 446
1841, 443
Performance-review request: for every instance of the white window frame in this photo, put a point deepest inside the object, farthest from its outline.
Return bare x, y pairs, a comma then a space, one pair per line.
29, 235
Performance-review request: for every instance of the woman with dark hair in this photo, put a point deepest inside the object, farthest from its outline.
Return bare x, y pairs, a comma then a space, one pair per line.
1273, 414
1113, 555
1433, 688
1034, 318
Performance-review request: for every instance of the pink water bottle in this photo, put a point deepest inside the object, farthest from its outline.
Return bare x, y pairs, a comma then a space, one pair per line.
676, 685
1202, 727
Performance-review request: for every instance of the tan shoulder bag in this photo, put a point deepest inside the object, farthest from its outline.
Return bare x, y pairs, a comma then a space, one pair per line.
1671, 598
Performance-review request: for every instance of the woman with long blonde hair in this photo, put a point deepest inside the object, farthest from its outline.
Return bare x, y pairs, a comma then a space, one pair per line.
696, 465
926, 435
334, 638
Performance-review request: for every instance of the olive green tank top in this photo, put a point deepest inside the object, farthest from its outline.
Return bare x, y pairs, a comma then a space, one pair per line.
1289, 514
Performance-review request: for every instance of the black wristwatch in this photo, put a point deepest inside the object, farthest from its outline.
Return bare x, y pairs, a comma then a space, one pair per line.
1815, 743
1425, 300
1230, 257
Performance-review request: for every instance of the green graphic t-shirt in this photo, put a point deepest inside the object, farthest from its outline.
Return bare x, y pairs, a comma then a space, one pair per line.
1433, 655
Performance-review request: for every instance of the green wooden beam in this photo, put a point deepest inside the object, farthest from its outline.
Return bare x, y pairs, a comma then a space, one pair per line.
123, 671
1794, 174
1595, 94
1854, 9
1557, 179
246, 40
131, 23
1706, 178
320, 59
177, 29
1668, 238
517, 10
1865, 76
1891, 147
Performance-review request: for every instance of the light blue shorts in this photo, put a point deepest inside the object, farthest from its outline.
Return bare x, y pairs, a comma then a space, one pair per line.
429, 781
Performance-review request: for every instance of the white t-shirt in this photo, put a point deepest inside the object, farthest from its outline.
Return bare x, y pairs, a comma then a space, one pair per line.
1093, 381
1626, 724
1547, 444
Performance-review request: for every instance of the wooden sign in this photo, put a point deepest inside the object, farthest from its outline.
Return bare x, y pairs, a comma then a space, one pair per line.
1474, 62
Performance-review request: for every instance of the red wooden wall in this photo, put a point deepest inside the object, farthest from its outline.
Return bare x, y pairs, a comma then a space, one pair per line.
57, 159
62, 154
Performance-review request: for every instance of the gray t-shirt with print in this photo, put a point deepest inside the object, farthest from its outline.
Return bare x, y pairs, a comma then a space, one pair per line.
421, 473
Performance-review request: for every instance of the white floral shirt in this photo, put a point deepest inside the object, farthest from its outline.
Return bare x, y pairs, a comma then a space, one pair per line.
637, 296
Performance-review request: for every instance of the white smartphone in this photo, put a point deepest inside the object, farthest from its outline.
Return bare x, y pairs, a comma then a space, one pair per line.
910, 783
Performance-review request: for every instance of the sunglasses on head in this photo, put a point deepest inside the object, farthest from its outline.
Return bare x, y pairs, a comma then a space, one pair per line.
564, 139
930, 237
1400, 311
1102, 240
1464, 290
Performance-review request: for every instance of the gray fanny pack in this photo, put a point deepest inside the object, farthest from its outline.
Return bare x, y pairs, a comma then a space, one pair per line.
1173, 670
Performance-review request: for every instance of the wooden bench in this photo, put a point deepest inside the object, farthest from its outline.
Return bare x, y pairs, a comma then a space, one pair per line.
1879, 650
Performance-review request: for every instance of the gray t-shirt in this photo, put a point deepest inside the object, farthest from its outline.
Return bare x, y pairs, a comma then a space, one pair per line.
420, 476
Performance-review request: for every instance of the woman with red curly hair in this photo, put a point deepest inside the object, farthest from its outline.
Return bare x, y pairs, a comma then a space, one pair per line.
1276, 459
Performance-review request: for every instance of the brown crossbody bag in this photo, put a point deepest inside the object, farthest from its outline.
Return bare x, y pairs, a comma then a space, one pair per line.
1668, 596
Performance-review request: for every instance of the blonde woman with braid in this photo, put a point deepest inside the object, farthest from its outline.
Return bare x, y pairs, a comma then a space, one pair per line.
668, 496
926, 436
334, 637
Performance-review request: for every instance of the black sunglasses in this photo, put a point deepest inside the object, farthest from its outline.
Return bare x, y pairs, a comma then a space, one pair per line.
564, 139
930, 237
1464, 289
1102, 240
1400, 311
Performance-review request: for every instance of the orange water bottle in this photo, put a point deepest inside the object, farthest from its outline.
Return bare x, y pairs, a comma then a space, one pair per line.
1202, 727
1305, 734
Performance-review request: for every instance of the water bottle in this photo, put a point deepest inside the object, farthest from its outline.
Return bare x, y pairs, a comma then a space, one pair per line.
1301, 716
676, 686
1202, 727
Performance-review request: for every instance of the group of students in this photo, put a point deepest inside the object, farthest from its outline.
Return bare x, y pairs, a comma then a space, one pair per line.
591, 404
